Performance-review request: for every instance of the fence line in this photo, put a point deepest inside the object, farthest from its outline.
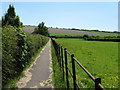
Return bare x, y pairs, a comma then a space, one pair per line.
63, 61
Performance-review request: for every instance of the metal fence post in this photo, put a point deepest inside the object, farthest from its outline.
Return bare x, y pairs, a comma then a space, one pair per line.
73, 70
62, 61
66, 67
97, 81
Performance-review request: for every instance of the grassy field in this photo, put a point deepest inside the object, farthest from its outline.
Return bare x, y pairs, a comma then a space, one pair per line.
62, 32
99, 58
105, 33
108, 34
71, 35
56, 34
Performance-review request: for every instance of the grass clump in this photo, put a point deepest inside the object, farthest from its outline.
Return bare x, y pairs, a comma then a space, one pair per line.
57, 77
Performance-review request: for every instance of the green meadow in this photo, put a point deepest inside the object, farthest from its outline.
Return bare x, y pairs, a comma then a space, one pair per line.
106, 34
99, 58
56, 34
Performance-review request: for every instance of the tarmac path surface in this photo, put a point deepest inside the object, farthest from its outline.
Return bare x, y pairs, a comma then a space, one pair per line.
39, 73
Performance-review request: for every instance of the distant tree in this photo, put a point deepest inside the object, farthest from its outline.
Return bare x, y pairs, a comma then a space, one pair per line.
96, 30
10, 18
115, 31
118, 36
85, 36
42, 29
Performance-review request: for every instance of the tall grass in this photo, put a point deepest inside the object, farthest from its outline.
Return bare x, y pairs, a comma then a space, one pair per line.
57, 73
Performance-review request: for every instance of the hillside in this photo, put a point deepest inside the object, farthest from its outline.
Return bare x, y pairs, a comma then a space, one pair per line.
60, 31
29, 28
69, 31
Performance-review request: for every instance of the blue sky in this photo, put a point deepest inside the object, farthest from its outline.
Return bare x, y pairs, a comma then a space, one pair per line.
82, 15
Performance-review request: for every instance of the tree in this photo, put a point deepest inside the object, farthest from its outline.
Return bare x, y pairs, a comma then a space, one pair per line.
10, 18
42, 29
85, 36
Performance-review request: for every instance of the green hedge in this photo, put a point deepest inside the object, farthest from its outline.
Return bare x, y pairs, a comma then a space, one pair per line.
18, 48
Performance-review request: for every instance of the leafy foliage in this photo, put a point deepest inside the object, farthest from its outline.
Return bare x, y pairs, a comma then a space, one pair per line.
10, 18
42, 29
17, 50
9, 48
85, 36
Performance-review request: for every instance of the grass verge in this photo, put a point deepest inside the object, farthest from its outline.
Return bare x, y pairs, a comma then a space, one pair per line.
57, 76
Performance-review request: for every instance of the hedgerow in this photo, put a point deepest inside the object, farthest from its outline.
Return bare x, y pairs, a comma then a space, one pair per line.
18, 48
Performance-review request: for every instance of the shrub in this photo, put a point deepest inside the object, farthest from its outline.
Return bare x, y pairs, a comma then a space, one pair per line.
85, 36
9, 48
34, 42
17, 50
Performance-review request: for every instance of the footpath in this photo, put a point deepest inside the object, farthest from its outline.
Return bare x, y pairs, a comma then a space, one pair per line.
38, 75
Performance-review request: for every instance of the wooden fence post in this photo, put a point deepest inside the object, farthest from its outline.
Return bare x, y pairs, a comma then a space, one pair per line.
73, 70
62, 61
58, 52
66, 67
97, 81
59, 56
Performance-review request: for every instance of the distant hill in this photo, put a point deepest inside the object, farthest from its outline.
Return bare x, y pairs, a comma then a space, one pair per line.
69, 31
30, 29
60, 31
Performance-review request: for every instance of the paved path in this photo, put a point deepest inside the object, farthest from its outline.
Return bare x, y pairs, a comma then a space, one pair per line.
39, 74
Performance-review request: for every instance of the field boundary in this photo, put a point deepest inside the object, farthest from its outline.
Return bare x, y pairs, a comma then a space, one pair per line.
111, 39
61, 54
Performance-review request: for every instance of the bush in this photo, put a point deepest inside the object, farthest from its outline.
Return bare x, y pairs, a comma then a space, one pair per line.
17, 50
9, 48
85, 36
34, 42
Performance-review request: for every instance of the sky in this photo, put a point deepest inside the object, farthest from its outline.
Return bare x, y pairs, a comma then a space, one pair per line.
82, 15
